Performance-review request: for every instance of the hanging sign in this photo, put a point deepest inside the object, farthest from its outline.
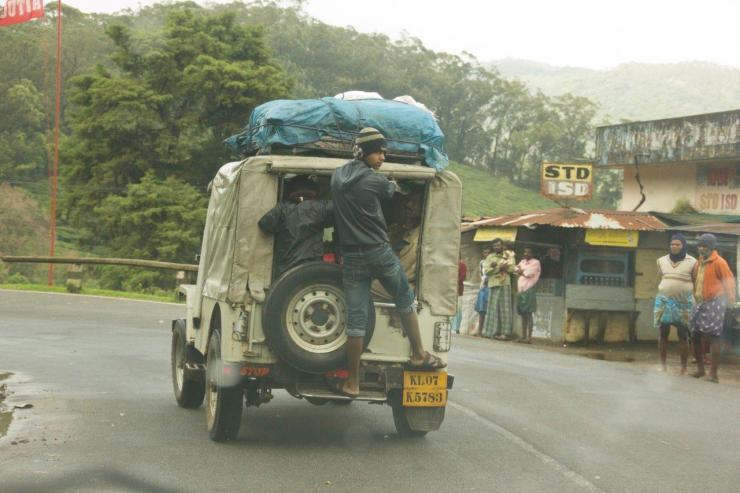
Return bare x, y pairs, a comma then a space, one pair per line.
612, 237
489, 233
17, 11
567, 181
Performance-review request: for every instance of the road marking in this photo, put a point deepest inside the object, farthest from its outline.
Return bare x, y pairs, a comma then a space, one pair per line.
528, 447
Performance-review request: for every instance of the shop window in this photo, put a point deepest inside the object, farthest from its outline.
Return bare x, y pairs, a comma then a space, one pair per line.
603, 267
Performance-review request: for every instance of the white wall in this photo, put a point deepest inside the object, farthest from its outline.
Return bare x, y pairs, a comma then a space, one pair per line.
663, 185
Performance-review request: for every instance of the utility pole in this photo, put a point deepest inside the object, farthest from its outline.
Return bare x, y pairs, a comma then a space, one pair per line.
55, 168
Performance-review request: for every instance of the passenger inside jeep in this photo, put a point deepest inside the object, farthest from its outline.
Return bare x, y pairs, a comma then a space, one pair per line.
298, 223
404, 228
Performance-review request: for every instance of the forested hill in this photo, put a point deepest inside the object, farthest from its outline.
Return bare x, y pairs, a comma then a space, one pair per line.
636, 91
150, 95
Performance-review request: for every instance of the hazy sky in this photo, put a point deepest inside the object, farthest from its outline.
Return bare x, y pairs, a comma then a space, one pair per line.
587, 33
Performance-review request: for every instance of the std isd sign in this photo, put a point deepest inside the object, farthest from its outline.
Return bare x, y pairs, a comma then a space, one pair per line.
567, 181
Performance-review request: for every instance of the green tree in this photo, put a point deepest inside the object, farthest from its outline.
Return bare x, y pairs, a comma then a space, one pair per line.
165, 109
153, 219
22, 134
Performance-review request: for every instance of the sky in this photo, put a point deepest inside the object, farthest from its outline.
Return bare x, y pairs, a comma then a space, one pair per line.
582, 33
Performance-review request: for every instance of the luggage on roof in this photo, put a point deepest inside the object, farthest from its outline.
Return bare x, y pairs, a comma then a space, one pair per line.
329, 125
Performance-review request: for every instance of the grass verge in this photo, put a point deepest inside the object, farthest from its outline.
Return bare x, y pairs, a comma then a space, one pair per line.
93, 291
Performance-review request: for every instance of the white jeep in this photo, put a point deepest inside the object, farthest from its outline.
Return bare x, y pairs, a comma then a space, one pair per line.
246, 332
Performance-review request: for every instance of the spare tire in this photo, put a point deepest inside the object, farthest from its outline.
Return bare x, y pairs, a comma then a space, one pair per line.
305, 318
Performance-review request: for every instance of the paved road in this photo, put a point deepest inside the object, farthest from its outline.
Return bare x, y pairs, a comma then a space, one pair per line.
520, 419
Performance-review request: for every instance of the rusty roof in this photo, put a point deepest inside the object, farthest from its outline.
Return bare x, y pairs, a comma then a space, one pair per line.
574, 218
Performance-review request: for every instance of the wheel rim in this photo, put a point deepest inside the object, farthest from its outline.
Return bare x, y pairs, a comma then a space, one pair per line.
317, 318
212, 372
179, 364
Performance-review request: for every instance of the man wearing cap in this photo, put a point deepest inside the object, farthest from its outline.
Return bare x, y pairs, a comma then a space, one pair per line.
357, 190
714, 290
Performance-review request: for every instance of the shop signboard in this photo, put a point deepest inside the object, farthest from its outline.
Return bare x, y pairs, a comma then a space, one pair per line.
718, 189
612, 237
489, 233
567, 181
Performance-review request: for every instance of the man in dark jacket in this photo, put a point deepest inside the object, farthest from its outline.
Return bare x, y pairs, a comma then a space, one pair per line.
298, 224
357, 191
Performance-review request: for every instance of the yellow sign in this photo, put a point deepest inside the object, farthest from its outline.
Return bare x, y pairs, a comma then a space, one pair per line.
612, 237
424, 388
567, 181
488, 233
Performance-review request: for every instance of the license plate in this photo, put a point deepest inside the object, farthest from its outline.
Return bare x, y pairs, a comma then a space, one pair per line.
424, 389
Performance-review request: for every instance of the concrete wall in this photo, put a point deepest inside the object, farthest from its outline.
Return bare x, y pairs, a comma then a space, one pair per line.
548, 320
664, 185
712, 136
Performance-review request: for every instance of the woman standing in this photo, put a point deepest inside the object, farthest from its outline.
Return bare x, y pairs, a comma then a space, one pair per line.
674, 302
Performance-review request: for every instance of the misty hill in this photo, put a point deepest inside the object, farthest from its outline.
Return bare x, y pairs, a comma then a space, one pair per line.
636, 91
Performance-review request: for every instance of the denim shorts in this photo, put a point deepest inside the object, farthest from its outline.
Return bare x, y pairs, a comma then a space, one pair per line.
360, 268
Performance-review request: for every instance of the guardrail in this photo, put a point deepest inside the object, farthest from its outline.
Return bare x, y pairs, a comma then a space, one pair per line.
129, 262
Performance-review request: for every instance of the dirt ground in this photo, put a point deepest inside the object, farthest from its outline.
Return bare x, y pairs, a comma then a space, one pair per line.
6, 416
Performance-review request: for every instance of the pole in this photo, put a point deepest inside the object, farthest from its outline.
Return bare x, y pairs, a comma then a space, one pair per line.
55, 171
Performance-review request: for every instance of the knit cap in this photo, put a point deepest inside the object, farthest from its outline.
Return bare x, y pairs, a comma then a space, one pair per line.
370, 140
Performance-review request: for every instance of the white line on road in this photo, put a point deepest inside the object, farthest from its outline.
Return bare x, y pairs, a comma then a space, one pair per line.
528, 447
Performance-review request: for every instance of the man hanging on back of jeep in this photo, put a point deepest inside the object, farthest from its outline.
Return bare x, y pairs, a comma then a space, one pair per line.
357, 190
298, 224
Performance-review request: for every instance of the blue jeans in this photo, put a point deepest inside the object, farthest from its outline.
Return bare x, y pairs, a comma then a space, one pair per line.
360, 268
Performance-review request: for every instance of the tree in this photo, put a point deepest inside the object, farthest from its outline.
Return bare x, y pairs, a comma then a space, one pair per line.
153, 219
22, 134
164, 110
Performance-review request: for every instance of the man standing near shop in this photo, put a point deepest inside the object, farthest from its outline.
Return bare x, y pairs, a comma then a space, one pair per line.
357, 190
674, 302
528, 271
714, 290
499, 266
462, 274
481, 303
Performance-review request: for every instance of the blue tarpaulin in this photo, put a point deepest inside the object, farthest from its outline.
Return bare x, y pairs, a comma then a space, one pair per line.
407, 128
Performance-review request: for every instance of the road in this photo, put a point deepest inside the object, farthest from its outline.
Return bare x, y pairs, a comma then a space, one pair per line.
520, 419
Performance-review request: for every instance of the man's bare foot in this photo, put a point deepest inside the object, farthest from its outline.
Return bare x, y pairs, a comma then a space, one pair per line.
345, 388
698, 374
712, 378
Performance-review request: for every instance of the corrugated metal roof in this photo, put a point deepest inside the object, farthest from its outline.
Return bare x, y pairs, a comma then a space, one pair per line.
574, 218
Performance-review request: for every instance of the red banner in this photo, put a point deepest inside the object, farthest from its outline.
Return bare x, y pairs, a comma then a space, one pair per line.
17, 11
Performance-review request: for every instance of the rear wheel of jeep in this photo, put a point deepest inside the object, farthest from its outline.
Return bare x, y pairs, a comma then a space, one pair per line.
401, 419
305, 318
189, 390
224, 400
